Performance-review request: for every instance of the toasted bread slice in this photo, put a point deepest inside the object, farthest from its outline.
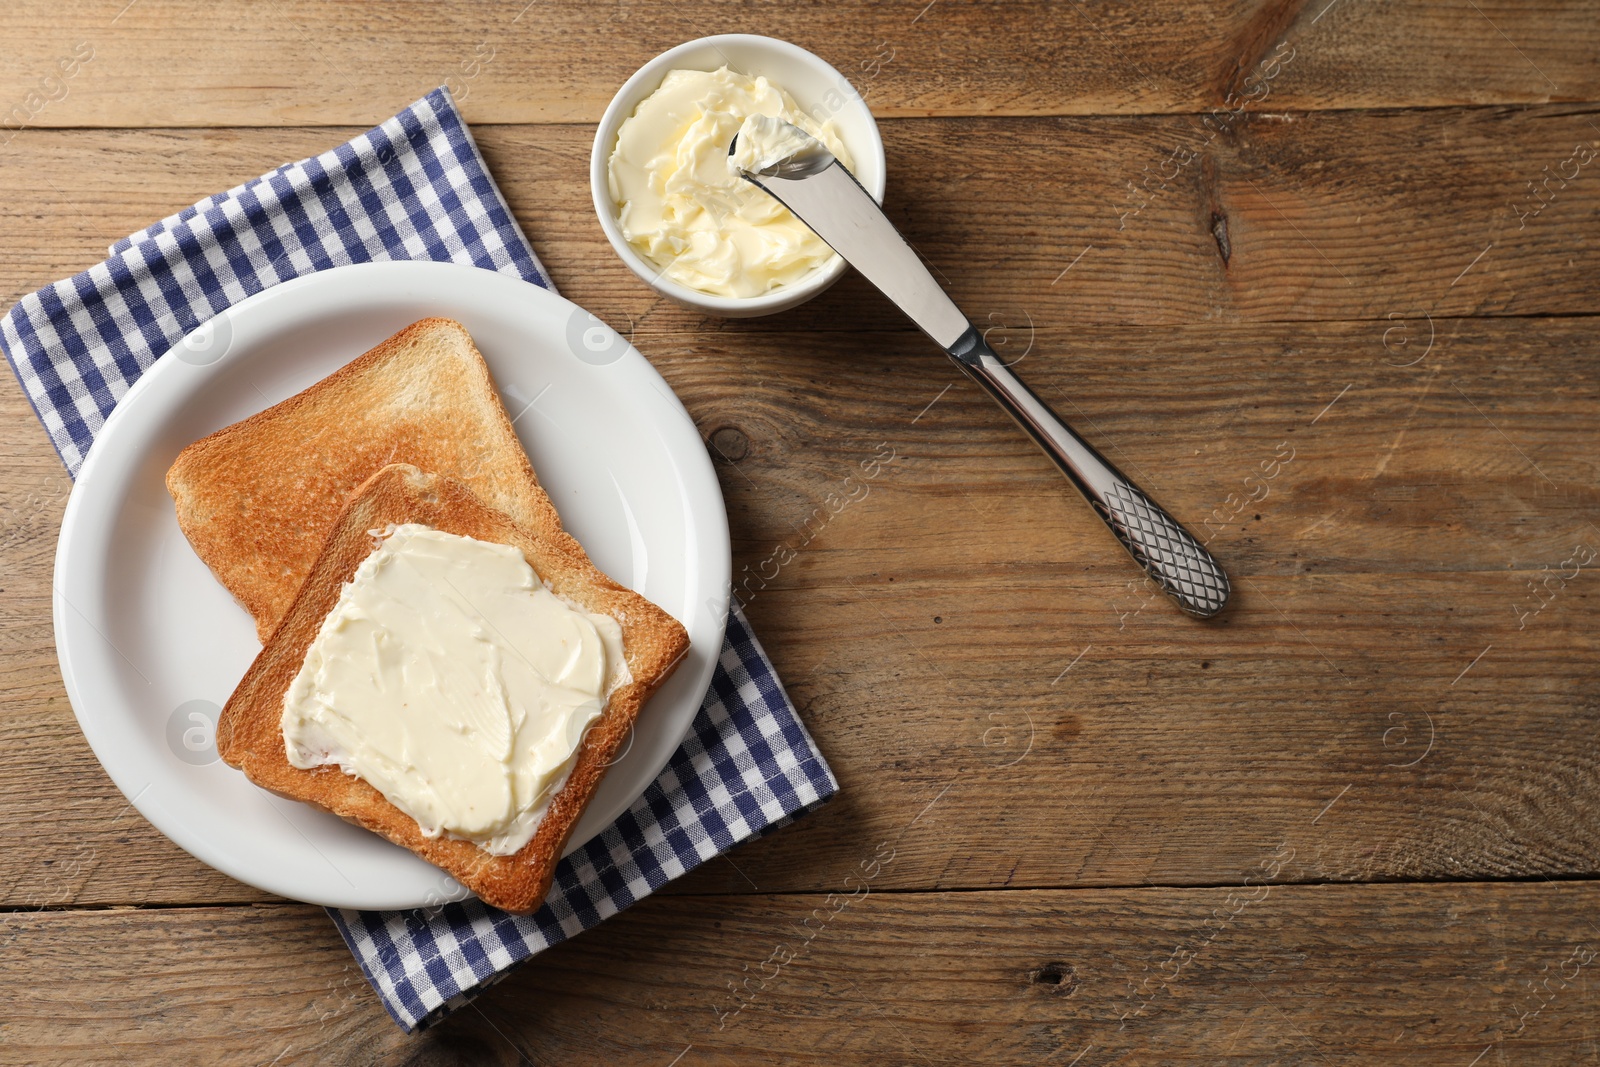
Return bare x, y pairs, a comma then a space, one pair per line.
257, 499
250, 731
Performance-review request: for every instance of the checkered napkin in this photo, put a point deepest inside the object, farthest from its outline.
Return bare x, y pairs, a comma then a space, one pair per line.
413, 188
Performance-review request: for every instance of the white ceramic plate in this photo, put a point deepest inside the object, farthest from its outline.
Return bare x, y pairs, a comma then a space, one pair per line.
151, 645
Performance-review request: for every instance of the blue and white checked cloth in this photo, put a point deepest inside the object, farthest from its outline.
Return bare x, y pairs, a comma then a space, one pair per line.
413, 188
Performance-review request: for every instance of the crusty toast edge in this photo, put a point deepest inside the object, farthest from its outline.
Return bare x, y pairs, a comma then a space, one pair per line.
250, 736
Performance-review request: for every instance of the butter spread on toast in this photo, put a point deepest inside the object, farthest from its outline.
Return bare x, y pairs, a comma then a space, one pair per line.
449, 678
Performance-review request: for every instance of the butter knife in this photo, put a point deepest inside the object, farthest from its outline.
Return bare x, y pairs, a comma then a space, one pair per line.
825, 196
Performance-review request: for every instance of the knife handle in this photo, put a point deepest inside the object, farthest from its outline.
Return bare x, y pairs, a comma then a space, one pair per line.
1168, 553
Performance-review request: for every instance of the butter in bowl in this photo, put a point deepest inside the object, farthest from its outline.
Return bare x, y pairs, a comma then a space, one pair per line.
675, 212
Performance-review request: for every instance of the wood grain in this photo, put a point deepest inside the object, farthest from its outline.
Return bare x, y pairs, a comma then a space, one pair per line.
1415, 974
1333, 216
319, 62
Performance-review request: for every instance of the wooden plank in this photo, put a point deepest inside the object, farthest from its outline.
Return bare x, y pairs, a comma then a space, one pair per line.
1455, 463
224, 984
170, 63
1431, 974
927, 627
1324, 217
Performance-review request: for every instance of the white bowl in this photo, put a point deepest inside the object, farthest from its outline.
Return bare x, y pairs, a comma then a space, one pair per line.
811, 82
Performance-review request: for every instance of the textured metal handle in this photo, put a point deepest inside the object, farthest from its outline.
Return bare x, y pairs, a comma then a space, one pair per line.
1169, 554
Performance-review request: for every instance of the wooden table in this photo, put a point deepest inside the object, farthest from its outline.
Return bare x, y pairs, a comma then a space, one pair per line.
1321, 275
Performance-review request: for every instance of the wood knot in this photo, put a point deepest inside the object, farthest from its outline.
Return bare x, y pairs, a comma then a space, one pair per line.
730, 443
1059, 978
1219, 231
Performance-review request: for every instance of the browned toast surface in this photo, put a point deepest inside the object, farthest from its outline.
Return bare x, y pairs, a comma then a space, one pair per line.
256, 499
250, 732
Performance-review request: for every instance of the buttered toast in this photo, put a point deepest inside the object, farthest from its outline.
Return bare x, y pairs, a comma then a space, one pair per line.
250, 733
257, 499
